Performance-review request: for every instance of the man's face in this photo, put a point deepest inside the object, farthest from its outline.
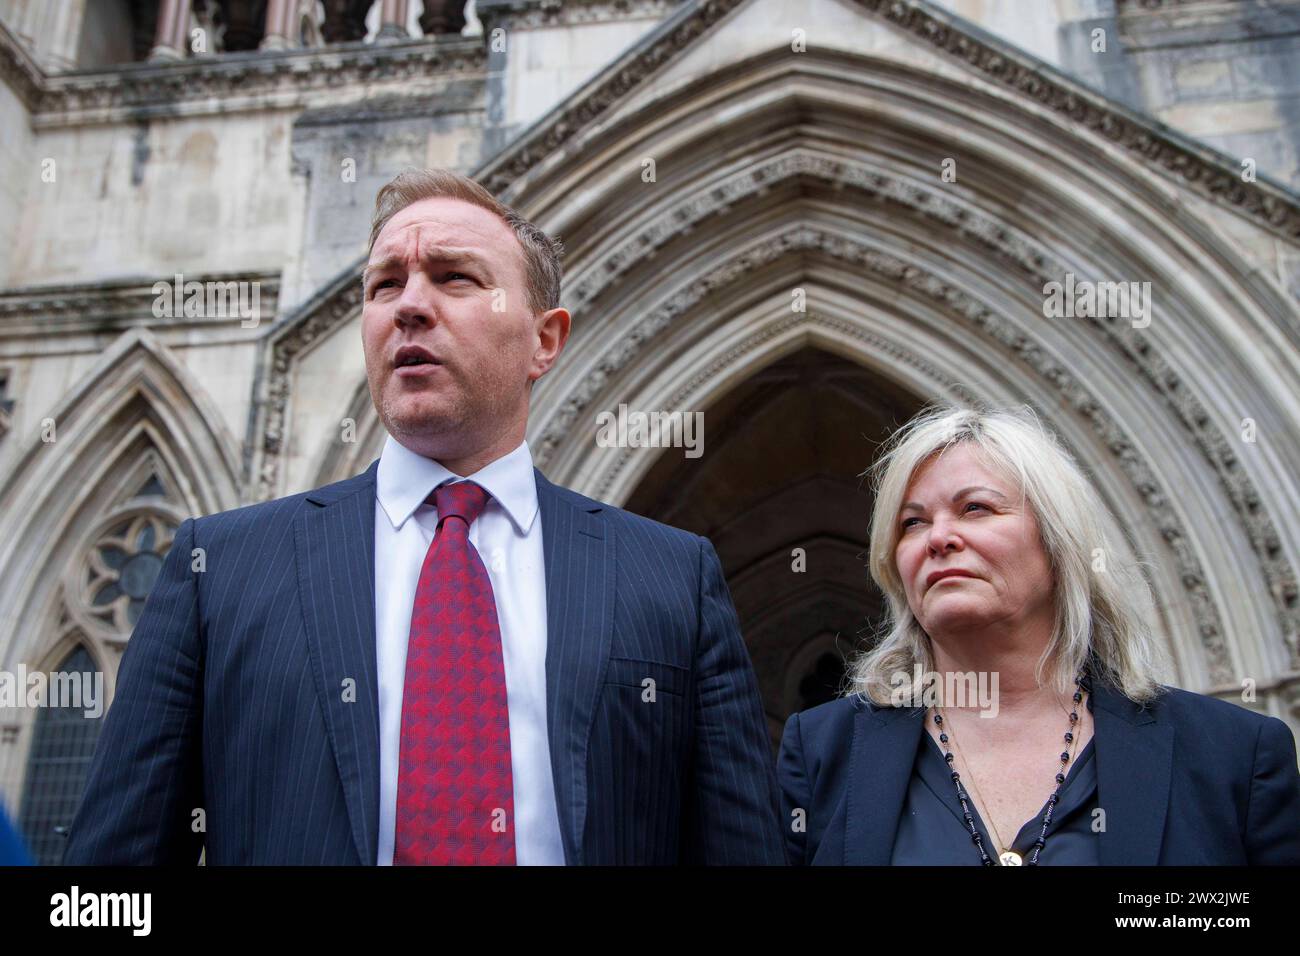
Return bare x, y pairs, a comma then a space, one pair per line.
446, 283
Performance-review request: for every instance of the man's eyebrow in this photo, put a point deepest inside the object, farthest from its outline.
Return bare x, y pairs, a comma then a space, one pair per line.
913, 506
373, 267
432, 255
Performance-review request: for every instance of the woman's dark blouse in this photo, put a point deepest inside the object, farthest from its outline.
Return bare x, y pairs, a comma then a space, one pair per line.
931, 830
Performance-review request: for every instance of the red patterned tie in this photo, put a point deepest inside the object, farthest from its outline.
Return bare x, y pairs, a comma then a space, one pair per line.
455, 792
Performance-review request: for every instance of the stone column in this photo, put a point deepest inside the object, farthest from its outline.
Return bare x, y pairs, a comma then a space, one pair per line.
171, 41
392, 20
281, 32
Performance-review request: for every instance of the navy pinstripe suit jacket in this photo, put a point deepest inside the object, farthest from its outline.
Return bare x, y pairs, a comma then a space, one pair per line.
231, 697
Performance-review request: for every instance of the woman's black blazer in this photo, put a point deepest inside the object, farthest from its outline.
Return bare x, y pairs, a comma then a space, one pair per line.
1185, 780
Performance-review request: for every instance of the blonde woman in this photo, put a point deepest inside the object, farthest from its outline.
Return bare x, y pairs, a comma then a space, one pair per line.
1011, 713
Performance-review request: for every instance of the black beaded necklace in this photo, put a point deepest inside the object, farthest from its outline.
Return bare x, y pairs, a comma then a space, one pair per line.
1009, 857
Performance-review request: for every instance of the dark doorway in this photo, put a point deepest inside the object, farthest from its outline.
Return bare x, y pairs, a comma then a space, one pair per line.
778, 491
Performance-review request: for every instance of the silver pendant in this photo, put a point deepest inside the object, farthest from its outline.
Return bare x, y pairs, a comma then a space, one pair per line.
1010, 858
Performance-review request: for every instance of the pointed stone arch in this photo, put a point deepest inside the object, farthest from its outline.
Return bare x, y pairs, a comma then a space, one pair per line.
728, 344
794, 163
137, 369
825, 167
136, 449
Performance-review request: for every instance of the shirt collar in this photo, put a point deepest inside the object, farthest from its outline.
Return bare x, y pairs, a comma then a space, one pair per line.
405, 479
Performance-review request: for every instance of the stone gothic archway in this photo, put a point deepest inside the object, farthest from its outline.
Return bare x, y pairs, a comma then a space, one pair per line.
86, 517
822, 174
778, 491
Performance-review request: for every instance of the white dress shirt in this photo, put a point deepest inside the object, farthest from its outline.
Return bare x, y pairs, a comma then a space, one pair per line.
508, 537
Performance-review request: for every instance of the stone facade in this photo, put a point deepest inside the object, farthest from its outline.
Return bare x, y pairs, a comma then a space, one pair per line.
912, 173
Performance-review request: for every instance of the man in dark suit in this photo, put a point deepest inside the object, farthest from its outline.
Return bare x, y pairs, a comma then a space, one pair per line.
445, 659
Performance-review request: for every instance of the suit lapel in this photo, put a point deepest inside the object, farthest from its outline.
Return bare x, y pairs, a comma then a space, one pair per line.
334, 537
885, 740
1134, 751
578, 545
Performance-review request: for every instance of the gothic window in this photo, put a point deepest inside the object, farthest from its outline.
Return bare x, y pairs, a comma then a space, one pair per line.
122, 565
63, 743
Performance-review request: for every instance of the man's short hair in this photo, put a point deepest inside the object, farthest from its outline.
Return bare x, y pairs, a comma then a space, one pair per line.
541, 252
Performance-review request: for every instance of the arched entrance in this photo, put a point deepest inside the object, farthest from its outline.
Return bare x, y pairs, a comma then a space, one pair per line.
777, 492
796, 202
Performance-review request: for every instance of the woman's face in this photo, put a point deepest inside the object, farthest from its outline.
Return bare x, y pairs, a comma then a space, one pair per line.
969, 552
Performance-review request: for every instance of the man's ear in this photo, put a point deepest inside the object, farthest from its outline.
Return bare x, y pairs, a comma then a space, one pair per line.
552, 332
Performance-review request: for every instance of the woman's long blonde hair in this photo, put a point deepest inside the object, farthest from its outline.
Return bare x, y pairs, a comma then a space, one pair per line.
1102, 601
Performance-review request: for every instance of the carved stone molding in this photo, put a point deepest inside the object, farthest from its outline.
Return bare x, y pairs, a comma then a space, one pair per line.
1164, 24
1037, 262
952, 301
799, 240
1132, 5
274, 79
316, 319
874, 181
627, 75
458, 95
93, 308
1131, 8
532, 14
1196, 167
18, 70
